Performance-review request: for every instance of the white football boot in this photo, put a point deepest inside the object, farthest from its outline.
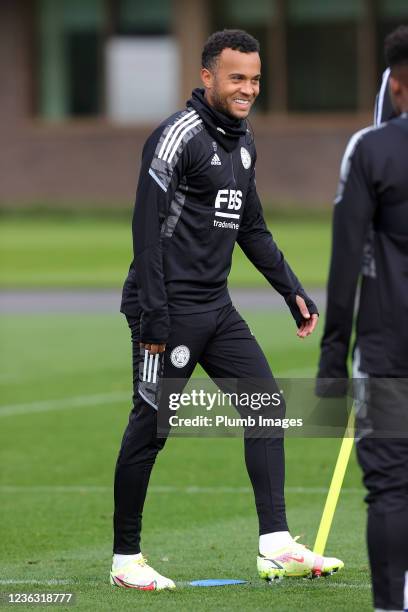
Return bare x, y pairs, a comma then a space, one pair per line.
297, 560
137, 574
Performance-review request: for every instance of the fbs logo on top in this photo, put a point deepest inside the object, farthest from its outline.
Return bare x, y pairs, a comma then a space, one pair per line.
231, 197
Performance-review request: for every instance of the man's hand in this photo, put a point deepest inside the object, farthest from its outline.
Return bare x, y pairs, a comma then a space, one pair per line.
153, 348
310, 322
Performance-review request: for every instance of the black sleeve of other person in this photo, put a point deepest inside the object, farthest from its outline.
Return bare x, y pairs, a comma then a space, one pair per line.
354, 209
257, 243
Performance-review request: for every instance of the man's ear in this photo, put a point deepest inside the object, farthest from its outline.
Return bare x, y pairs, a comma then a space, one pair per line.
207, 78
395, 86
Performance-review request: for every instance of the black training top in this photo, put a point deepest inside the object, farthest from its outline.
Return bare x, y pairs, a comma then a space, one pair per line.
370, 238
196, 197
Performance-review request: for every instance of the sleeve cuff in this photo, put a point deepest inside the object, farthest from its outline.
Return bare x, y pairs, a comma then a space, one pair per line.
155, 327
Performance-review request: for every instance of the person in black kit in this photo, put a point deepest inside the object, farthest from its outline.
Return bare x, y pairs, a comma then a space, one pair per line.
196, 198
370, 238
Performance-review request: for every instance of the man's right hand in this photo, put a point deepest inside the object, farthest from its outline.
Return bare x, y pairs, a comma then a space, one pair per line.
153, 348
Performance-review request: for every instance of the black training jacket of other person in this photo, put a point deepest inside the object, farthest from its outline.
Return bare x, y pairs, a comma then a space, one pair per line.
195, 199
370, 242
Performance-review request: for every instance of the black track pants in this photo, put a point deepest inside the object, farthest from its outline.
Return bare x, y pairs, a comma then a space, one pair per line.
385, 466
222, 343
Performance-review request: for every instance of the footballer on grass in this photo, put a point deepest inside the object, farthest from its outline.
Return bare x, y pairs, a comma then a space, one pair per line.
196, 199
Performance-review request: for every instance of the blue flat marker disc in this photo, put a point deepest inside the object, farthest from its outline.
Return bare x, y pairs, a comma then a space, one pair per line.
212, 582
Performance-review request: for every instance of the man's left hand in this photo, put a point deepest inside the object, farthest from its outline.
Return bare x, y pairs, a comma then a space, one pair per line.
310, 321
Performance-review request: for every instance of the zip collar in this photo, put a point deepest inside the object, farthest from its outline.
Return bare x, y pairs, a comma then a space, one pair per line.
225, 130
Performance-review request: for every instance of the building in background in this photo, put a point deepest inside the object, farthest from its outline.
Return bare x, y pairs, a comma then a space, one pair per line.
83, 81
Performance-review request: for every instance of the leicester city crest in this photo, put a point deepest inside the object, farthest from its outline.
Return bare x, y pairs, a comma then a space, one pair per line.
180, 356
245, 158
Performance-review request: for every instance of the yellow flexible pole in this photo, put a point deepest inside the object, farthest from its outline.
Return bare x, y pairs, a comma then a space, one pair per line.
335, 487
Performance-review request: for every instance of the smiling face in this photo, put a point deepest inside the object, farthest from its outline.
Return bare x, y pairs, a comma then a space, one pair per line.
232, 85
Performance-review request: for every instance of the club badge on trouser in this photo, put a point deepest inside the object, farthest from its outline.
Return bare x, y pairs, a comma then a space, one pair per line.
180, 356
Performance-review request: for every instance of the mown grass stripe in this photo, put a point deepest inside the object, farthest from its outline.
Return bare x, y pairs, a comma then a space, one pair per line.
9, 489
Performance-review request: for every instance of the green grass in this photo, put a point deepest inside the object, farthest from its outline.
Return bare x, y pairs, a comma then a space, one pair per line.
96, 252
57, 468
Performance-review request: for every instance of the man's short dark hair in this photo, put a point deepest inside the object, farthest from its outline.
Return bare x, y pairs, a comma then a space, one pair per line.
396, 47
238, 40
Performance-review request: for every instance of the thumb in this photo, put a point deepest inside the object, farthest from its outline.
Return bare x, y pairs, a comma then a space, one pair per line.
302, 307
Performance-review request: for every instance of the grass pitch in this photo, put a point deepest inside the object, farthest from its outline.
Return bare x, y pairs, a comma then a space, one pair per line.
58, 457
96, 252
